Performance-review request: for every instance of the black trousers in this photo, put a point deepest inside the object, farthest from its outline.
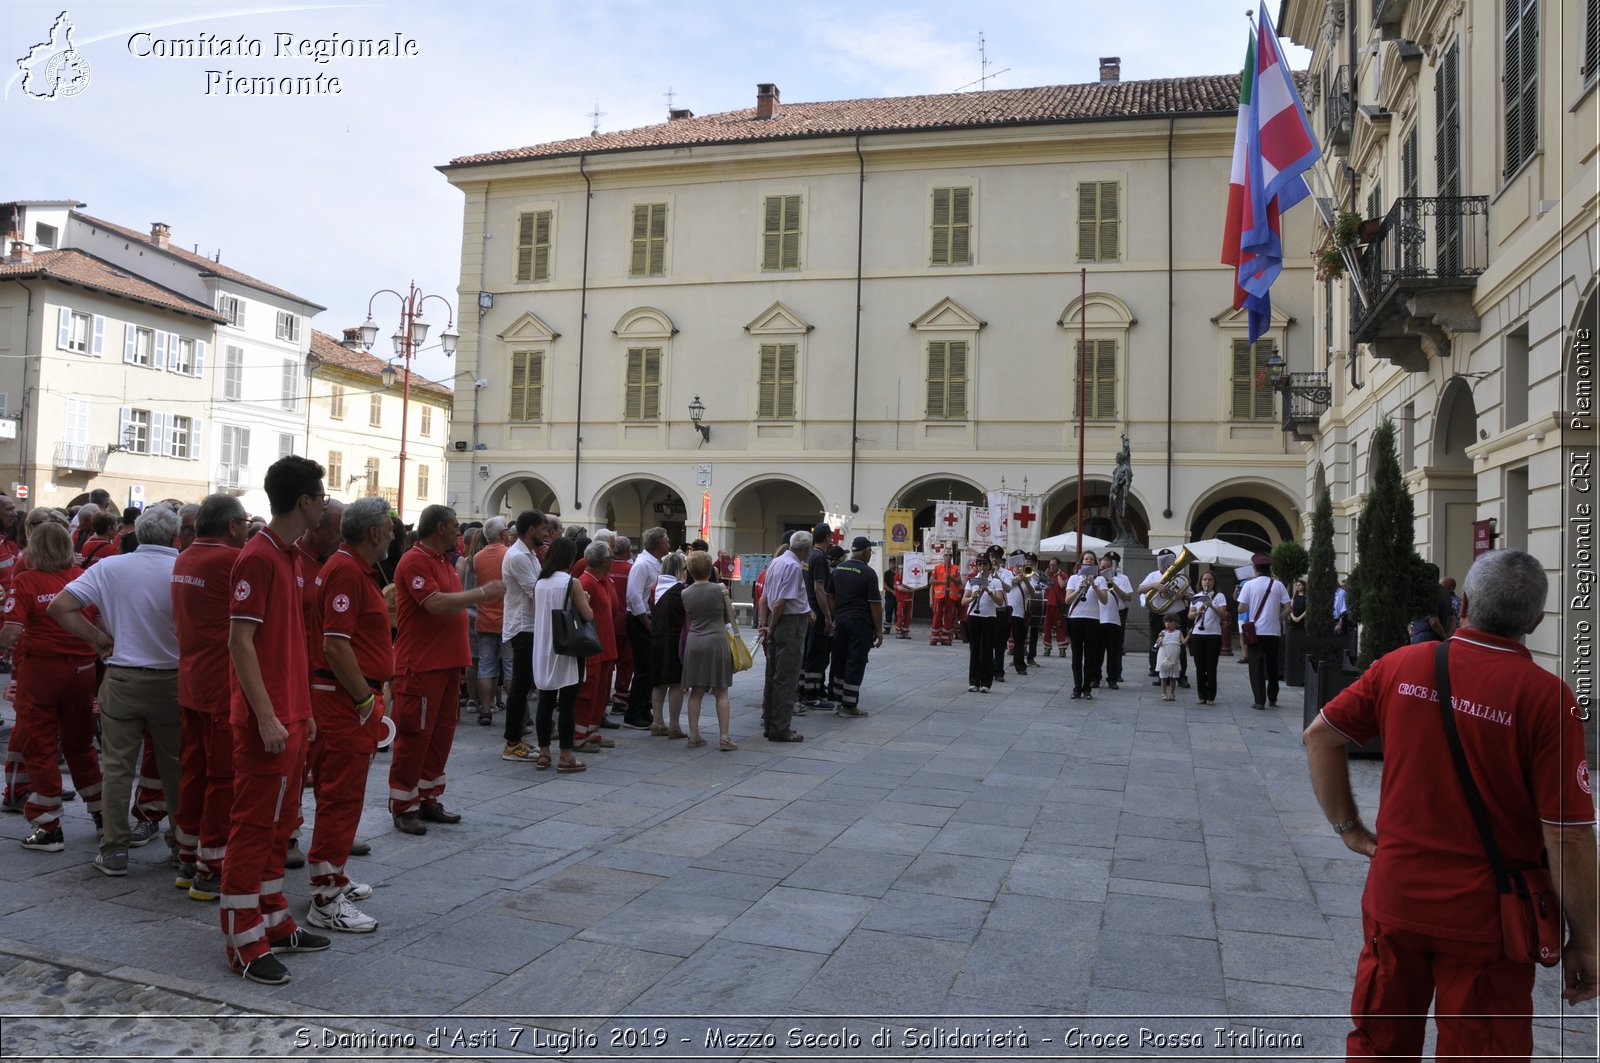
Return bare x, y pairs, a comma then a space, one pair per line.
521, 683
1264, 670
1111, 652
997, 641
980, 655
1158, 624
1207, 650
557, 707
852, 642
1085, 635
1019, 643
814, 668
639, 710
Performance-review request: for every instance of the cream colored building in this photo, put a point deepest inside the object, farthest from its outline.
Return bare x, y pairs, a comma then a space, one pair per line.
103, 380
353, 422
1470, 131
877, 302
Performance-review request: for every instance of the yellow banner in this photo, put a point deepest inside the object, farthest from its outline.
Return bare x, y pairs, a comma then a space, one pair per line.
897, 532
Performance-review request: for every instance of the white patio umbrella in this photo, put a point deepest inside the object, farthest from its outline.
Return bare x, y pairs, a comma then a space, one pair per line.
1218, 552
1067, 543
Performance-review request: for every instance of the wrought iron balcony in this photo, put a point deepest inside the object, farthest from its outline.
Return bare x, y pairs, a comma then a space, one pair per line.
1305, 397
81, 457
232, 476
1418, 272
1338, 112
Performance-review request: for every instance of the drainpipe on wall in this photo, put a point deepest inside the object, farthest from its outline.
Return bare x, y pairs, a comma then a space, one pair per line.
27, 397
855, 378
583, 321
1171, 125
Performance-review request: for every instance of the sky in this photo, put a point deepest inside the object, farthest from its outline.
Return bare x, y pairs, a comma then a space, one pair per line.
335, 196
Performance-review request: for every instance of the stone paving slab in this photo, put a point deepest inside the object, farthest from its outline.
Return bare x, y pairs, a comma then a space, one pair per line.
1014, 854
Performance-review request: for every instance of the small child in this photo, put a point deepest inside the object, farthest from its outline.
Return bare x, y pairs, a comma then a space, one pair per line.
1167, 657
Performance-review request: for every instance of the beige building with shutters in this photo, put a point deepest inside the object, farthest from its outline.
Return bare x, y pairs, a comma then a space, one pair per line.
876, 302
353, 422
1465, 136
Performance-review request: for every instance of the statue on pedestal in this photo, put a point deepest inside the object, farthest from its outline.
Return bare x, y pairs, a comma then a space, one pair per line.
1121, 483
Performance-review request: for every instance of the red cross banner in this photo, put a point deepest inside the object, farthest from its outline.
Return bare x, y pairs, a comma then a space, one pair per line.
980, 528
1000, 518
949, 523
1023, 522
914, 570
969, 564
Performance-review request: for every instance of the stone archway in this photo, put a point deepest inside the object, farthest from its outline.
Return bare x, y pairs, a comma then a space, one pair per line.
632, 504
760, 510
519, 493
1452, 485
1061, 510
920, 495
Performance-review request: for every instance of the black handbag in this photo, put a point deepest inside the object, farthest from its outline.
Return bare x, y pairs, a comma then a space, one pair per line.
1532, 924
570, 634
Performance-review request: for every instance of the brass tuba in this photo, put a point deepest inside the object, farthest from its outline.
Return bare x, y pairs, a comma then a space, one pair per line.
1174, 586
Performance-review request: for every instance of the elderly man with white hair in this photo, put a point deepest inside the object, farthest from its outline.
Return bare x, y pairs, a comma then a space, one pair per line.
789, 617
494, 651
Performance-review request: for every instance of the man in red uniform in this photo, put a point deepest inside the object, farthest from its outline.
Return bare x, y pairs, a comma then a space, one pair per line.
270, 707
353, 662
1430, 914
1055, 621
311, 551
944, 613
621, 565
202, 588
16, 777
596, 688
431, 649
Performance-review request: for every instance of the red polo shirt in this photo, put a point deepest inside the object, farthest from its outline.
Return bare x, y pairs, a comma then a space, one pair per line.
201, 581
266, 593
351, 606
306, 568
31, 594
426, 642
604, 606
1524, 744
10, 557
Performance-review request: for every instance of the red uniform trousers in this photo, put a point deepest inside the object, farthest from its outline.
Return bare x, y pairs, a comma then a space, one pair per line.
1055, 626
593, 695
55, 714
1483, 1000
149, 799
902, 611
944, 621
254, 911
205, 790
426, 705
345, 748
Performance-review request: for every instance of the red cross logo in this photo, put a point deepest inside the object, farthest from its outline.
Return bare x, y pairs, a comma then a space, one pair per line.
1024, 517
916, 570
838, 536
950, 518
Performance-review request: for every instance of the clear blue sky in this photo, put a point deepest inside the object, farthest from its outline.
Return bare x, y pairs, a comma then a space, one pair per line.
336, 196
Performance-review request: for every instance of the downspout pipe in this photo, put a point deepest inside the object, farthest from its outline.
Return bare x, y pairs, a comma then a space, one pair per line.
855, 376
27, 398
1171, 127
583, 321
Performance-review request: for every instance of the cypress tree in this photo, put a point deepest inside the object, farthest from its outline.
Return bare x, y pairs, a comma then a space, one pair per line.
1323, 579
1386, 582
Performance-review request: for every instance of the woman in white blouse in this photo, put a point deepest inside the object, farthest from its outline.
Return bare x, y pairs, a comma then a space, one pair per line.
1086, 594
1208, 611
981, 596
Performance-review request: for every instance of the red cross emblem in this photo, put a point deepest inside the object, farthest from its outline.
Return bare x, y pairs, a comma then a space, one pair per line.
950, 518
983, 529
916, 570
1024, 517
837, 536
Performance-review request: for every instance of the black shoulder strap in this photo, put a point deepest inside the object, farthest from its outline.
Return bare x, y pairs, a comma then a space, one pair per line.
1480, 816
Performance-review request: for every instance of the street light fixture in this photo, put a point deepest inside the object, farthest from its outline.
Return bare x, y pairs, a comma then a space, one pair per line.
388, 375
407, 339
697, 410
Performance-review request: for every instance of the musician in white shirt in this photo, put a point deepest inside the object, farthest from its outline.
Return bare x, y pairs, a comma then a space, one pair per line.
1118, 592
981, 597
1208, 614
1086, 596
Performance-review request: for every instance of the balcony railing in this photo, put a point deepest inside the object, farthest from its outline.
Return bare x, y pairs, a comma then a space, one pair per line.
1424, 244
1305, 397
81, 457
232, 476
1338, 110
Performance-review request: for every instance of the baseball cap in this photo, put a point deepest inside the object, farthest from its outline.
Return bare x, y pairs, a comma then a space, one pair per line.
861, 542
1113, 555
1260, 560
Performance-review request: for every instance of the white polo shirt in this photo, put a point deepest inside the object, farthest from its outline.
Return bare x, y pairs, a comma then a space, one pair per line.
134, 595
1265, 598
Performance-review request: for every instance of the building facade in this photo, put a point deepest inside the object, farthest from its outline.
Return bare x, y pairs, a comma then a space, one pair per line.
877, 303
1464, 136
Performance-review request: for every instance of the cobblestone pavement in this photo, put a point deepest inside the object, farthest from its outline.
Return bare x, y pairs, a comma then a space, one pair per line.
957, 874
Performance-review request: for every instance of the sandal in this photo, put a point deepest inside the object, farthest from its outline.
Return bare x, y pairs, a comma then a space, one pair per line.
696, 742
658, 730
485, 717
542, 761
676, 733
568, 766
726, 746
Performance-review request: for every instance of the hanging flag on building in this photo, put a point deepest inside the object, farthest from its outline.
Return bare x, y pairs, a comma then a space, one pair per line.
914, 570
839, 523
1022, 523
705, 515
949, 523
1273, 147
980, 528
897, 531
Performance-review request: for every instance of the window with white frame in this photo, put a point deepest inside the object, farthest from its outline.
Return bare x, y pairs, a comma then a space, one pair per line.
427, 420
423, 476
288, 326
45, 235
179, 432
372, 476
291, 375
533, 245
1099, 221
233, 373
776, 382
77, 331
336, 402
642, 387
232, 308
335, 471
527, 386
285, 444
375, 411
648, 250
947, 380
135, 433
139, 345
235, 453
180, 355
951, 232
75, 432
780, 233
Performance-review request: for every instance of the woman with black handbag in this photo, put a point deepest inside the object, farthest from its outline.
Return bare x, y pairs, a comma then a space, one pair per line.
557, 675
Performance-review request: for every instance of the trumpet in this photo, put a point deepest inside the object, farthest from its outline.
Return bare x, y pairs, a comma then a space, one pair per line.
1174, 586
1027, 571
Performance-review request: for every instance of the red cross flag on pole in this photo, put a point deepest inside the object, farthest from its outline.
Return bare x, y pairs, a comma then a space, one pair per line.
1000, 518
1023, 525
915, 570
949, 522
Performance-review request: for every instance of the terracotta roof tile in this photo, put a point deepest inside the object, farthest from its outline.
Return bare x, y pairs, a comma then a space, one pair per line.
201, 262
72, 266
957, 110
326, 349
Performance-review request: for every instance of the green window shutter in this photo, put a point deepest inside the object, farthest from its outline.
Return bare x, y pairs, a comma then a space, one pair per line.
1110, 219
939, 253
1408, 165
791, 233
1243, 382
525, 247
772, 233
767, 383
960, 226
541, 246
533, 406
1088, 222
786, 382
519, 385
1447, 134
937, 361
650, 401
1105, 379
1521, 82
1591, 38
658, 239
639, 259
956, 381
633, 388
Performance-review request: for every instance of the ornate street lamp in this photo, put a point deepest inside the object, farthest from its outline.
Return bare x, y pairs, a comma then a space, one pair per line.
413, 329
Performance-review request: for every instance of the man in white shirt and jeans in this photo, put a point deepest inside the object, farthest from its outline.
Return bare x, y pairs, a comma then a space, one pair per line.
641, 596
1268, 602
520, 570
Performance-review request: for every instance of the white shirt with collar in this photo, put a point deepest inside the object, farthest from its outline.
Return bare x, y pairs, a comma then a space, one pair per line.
133, 593
1111, 610
1265, 598
641, 582
520, 571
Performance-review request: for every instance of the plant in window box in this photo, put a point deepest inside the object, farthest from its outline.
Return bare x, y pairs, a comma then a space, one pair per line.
1330, 263
1346, 229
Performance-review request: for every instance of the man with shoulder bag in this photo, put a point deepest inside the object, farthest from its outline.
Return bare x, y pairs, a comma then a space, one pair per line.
1485, 832
1266, 601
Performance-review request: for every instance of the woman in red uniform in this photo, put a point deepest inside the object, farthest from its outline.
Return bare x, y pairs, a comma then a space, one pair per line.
55, 689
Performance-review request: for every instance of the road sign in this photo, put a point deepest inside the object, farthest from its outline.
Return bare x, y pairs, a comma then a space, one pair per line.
702, 474
22, 490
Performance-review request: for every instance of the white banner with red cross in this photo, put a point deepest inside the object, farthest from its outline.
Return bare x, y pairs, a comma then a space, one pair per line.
914, 571
1023, 522
1000, 519
949, 524
980, 528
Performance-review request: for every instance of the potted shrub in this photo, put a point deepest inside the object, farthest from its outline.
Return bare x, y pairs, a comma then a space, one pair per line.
1320, 646
1289, 562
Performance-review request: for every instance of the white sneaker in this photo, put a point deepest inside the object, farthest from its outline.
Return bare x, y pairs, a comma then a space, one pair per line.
358, 891
340, 914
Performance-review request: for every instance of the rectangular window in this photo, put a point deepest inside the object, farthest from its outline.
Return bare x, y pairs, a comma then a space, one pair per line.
422, 481
1099, 221
1409, 167
952, 227
231, 308
372, 476
288, 326
136, 432
527, 386
1521, 82
1591, 40
776, 402
335, 471
180, 355
533, 246
1252, 391
235, 455
643, 391
375, 411
1447, 153
291, 373
648, 256
427, 421
285, 444
1098, 362
139, 346
45, 236
780, 233
947, 380
75, 331
178, 432
336, 402
233, 373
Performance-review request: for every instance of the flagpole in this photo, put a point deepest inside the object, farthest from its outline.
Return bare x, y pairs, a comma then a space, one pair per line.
1083, 341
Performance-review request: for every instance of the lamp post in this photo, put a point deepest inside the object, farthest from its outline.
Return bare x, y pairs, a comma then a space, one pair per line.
412, 331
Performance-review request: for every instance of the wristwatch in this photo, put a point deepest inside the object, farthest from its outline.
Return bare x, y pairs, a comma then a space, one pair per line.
1347, 825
